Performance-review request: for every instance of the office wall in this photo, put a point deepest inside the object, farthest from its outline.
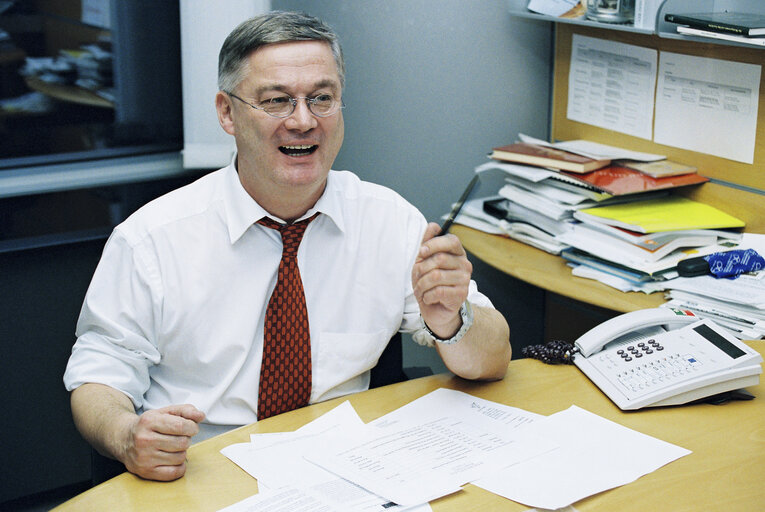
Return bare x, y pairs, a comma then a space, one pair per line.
432, 86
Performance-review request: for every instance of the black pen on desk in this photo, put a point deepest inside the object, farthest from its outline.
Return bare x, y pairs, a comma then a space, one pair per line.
457, 207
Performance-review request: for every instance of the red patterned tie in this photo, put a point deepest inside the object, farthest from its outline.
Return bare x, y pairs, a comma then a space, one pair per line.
285, 374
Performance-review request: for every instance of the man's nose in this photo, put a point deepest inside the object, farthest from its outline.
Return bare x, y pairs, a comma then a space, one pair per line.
301, 119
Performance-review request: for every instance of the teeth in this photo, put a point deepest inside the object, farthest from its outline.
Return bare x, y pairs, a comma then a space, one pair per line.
298, 147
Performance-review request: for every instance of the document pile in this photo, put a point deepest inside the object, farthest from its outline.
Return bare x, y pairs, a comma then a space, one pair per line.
643, 242
738, 305
544, 193
617, 223
436, 444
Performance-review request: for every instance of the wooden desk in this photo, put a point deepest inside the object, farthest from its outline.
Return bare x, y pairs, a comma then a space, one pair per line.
548, 271
726, 470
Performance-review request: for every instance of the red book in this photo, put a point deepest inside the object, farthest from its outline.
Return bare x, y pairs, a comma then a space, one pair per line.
542, 156
619, 181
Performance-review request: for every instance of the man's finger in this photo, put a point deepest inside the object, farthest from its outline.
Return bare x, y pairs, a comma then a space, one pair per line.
187, 411
172, 444
167, 473
431, 231
175, 425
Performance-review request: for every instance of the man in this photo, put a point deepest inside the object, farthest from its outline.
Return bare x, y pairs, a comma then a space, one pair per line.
177, 330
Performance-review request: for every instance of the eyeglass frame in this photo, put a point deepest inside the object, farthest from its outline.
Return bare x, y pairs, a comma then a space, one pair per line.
294, 102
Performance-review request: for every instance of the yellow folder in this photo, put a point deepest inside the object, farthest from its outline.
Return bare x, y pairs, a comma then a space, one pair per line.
663, 214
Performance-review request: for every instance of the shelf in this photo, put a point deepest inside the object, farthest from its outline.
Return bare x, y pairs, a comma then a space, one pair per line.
518, 8
663, 28
68, 93
668, 30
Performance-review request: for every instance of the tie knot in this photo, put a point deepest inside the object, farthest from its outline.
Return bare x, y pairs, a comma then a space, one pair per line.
292, 234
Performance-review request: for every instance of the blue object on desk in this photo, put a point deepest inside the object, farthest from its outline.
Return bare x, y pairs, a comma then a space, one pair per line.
728, 264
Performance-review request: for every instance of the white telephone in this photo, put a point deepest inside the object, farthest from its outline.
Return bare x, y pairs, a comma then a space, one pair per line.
664, 356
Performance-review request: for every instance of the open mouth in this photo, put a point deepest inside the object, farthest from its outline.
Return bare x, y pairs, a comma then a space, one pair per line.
298, 150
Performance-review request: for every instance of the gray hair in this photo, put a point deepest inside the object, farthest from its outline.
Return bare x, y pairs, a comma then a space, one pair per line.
269, 28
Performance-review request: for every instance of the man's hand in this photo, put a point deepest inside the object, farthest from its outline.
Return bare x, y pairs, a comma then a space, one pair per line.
152, 445
157, 441
440, 278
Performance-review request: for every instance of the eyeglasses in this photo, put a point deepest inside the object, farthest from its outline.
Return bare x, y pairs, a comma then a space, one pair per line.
323, 105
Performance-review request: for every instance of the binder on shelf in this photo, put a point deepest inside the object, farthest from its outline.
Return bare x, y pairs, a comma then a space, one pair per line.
730, 22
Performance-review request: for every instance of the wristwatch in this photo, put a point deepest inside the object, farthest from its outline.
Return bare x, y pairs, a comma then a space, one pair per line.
424, 336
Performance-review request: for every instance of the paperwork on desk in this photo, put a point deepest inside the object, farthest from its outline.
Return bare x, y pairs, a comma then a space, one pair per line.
434, 445
594, 455
277, 461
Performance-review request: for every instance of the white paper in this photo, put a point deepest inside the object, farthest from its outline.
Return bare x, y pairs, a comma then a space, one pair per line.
707, 105
740, 290
432, 446
277, 461
291, 499
595, 455
611, 85
527, 172
552, 7
281, 500
595, 150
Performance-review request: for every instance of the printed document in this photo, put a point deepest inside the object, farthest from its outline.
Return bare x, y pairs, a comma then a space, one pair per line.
292, 499
276, 460
611, 85
707, 105
595, 455
432, 446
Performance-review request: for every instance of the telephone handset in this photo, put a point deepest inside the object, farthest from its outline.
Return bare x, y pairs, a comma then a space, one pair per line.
594, 339
664, 356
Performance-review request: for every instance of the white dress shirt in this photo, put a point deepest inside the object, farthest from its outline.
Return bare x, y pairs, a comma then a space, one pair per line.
174, 313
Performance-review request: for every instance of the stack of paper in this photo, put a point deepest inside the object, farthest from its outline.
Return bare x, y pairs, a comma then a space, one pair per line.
538, 205
616, 224
644, 241
515, 222
436, 444
738, 304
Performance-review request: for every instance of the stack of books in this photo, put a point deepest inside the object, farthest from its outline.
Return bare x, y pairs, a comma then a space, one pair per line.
606, 216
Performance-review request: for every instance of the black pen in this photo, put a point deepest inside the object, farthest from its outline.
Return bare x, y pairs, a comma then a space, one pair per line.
458, 206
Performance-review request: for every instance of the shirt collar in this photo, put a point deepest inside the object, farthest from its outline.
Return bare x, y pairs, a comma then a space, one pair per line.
242, 211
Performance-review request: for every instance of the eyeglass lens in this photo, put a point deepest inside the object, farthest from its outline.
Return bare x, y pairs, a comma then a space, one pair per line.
283, 106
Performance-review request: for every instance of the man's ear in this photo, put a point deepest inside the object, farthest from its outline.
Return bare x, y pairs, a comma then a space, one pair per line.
224, 107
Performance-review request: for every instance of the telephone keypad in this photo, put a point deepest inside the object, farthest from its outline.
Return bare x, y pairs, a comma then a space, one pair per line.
641, 376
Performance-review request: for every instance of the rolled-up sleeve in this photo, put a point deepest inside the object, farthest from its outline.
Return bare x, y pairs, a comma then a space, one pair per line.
117, 327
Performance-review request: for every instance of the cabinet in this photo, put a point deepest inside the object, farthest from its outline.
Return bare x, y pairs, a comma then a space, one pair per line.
662, 28
46, 269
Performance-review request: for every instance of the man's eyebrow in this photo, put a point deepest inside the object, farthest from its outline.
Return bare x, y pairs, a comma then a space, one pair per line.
333, 84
